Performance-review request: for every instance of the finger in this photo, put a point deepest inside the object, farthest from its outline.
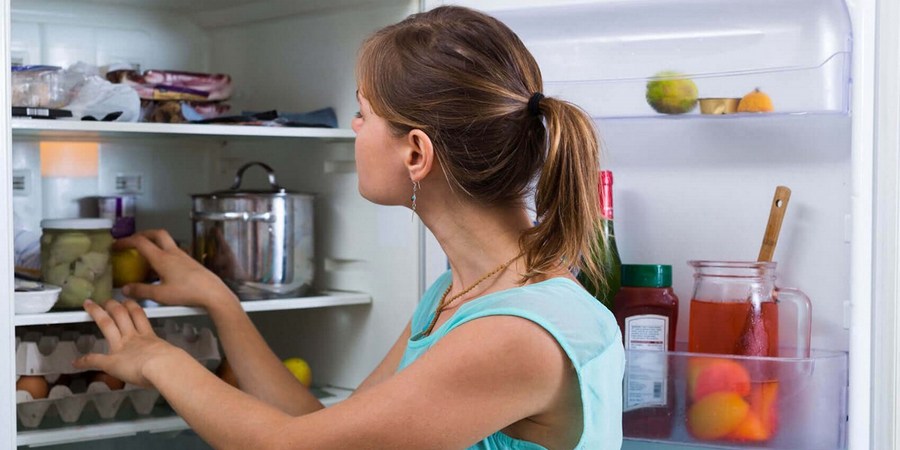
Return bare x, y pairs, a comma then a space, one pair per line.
104, 322
142, 290
96, 361
139, 317
121, 316
144, 246
162, 238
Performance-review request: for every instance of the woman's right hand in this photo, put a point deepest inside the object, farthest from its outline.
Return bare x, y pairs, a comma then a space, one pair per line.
183, 280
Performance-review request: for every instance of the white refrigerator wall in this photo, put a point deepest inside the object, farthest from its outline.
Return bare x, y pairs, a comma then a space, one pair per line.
696, 189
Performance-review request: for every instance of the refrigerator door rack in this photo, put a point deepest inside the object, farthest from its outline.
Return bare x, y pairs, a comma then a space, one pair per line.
600, 55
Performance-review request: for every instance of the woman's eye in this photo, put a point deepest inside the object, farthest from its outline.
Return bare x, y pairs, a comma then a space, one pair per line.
358, 115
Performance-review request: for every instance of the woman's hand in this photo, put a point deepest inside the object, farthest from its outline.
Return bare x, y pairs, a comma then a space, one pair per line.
183, 280
133, 344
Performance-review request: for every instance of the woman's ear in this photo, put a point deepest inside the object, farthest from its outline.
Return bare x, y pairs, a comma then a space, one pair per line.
420, 155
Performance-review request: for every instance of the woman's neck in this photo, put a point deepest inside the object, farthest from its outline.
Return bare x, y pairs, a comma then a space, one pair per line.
477, 239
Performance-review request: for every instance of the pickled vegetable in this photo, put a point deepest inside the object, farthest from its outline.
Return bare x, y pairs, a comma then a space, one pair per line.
78, 260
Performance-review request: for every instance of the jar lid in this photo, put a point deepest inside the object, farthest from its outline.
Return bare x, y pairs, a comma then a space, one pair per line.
647, 275
77, 224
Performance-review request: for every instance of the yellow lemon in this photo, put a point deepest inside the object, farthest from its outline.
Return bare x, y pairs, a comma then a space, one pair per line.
300, 369
129, 267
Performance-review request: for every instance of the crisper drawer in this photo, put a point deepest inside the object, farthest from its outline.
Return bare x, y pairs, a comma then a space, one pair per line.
691, 400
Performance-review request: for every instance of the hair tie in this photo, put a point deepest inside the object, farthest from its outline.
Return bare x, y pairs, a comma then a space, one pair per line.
534, 104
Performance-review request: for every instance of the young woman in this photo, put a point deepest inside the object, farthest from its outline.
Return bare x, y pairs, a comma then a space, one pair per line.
505, 350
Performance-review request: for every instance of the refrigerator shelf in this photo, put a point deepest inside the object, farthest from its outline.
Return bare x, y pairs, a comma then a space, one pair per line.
694, 400
601, 54
96, 130
327, 299
163, 420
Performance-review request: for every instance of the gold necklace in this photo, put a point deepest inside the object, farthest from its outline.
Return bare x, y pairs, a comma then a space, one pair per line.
445, 302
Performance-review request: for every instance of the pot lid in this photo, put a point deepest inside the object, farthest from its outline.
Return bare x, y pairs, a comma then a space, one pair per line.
235, 190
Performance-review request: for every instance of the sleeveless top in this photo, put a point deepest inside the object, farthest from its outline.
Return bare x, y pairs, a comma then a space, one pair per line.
582, 327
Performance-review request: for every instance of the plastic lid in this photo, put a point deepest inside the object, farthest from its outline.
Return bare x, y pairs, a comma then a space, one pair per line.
646, 275
77, 224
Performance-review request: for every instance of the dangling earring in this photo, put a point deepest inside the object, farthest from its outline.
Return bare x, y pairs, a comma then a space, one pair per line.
413, 198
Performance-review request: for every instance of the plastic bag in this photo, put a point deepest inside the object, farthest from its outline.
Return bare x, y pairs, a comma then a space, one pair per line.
97, 98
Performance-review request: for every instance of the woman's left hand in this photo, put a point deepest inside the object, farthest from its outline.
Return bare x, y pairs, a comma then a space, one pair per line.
131, 341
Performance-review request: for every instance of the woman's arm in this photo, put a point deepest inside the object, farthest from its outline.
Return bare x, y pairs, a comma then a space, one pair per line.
479, 378
184, 281
388, 365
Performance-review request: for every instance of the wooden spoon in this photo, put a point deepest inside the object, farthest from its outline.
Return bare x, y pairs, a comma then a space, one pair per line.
754, 339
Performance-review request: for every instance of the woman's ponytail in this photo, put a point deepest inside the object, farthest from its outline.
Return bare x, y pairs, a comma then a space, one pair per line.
566, 196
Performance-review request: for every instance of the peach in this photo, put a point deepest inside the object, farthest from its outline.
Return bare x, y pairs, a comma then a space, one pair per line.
710, 375
716, 415
751, 429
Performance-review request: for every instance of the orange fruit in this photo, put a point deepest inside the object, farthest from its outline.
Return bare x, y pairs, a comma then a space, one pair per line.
129, 266
717, 375
756, 101
716, 415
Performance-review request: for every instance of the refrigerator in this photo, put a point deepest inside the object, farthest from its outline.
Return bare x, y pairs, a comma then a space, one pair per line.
687, 186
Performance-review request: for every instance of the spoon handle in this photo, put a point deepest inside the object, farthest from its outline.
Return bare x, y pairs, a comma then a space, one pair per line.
773, 228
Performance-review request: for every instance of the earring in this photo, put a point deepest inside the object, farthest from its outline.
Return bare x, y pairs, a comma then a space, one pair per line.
413, 198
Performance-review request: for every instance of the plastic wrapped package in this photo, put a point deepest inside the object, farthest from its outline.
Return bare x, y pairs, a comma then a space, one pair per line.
40, 87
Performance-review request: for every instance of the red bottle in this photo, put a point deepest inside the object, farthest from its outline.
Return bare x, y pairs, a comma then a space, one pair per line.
647, 311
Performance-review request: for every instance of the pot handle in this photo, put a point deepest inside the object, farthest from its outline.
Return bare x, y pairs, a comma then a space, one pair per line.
239, 176
233, 216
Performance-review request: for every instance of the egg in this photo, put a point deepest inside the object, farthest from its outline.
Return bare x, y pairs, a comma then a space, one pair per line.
226, 374
111, 381
35, 385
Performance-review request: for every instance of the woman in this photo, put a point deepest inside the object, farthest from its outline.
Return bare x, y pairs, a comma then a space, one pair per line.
505, 350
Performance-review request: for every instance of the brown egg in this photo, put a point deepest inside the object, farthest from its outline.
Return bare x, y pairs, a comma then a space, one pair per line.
226, 374
35, 385
111, 381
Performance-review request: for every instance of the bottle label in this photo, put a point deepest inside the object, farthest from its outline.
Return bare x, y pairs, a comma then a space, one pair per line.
646, 377
647, 332
647, 372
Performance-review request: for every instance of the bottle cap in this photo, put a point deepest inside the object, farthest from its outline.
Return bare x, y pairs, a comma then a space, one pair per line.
647, 275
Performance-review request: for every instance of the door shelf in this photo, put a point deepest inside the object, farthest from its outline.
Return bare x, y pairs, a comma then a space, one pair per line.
162, 422
95, 130
327, 299
694, 400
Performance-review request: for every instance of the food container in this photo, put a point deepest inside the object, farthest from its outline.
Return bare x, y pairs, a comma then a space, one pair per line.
260, 242
729, 401
75, 255
39, 87
120, 209
34, 298
725, 105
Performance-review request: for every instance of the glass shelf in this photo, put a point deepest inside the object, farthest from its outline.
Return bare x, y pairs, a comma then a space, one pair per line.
600, 55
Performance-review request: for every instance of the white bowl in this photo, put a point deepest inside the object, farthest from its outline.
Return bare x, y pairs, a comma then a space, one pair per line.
35, 302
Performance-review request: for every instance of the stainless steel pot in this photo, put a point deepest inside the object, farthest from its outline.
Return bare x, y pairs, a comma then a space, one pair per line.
260, 242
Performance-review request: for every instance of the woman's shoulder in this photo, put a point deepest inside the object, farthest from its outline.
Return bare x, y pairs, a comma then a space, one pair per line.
560, 306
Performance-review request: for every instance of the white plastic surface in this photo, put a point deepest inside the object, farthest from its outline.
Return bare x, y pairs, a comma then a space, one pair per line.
77, 224
600, 54
36, 302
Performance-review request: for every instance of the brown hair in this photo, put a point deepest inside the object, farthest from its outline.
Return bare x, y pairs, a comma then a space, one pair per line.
465, 79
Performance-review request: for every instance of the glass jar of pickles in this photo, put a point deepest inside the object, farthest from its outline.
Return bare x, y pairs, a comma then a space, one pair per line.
75, 255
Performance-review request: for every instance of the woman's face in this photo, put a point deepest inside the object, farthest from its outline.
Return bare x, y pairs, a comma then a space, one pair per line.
383, 176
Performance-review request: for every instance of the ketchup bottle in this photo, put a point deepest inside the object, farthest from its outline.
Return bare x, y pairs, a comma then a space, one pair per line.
647, 311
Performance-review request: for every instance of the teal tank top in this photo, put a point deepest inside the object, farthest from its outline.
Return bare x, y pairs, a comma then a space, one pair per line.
584, 329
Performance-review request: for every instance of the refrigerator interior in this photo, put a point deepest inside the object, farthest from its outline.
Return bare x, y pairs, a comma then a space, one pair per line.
686, 187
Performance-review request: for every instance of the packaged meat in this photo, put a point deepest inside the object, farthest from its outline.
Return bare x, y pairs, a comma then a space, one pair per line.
175, 85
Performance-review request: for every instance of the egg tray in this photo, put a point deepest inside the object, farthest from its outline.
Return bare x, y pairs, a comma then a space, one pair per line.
69, 405
52, 354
